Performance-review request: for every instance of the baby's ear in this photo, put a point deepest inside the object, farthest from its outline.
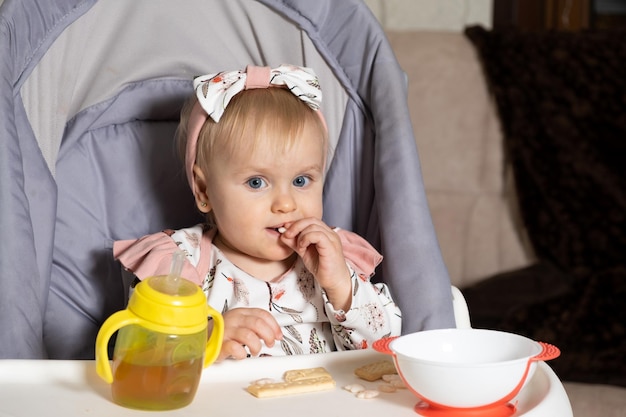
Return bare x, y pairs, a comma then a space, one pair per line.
200, 193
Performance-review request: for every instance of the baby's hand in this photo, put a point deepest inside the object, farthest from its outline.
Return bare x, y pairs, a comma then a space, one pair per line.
320, 249
248, 327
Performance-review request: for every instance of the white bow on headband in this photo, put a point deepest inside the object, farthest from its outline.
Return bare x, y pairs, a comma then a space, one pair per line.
214, 91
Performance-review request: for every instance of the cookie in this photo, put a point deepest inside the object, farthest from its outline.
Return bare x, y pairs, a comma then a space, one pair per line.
302, 374
281, 389
295, 381
375, 370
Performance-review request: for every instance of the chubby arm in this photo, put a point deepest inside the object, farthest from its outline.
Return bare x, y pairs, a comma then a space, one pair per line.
321, 251
360, 312
372, 315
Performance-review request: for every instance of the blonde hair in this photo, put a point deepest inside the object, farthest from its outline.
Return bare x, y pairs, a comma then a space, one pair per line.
274, 111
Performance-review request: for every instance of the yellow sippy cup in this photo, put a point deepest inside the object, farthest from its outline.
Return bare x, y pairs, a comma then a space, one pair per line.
161, 346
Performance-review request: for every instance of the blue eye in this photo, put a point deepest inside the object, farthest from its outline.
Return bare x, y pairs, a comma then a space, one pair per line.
301, 181
256, 183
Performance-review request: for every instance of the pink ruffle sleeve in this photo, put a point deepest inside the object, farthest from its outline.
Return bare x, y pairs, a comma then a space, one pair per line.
361, 256
152, 255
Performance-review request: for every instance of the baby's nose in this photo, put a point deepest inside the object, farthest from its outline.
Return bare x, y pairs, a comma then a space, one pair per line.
284, 202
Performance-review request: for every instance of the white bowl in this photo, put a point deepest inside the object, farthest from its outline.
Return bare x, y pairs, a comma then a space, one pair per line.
465, 368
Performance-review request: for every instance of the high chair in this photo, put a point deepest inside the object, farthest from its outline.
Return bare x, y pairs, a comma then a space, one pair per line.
461, 311
92, 93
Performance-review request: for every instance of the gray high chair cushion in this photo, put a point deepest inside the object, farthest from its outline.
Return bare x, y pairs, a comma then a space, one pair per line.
88, 155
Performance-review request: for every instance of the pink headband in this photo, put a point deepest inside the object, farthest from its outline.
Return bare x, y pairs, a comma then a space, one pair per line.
214, 92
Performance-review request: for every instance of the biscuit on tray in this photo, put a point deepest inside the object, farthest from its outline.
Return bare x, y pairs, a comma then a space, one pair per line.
296, 381
375, 370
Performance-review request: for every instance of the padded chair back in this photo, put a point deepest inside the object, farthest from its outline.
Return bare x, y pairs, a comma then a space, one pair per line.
92, 91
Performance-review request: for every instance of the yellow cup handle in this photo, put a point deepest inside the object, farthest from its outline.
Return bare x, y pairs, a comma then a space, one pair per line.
214, 344
111, 325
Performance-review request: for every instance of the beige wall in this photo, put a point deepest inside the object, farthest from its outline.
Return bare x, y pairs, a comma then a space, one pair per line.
448, 15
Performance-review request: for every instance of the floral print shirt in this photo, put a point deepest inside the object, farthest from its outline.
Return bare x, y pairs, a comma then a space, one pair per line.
309, 322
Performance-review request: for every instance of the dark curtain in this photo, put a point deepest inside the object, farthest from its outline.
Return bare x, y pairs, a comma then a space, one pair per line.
561, 99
